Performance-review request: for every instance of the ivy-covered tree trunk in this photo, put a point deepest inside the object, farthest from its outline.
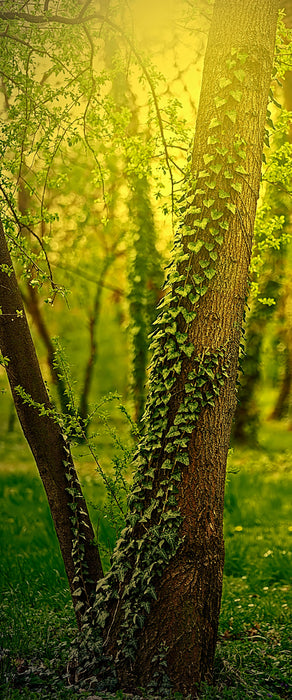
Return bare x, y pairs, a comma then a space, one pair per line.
145, 278
158, 607
49, 446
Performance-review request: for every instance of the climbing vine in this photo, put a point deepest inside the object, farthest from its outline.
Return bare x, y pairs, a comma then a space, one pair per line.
144, 281
183, 382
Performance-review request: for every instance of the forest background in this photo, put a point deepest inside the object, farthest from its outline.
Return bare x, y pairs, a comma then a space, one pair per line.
95, 151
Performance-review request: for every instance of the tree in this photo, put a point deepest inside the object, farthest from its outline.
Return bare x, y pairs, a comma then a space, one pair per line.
155, 614
47, 440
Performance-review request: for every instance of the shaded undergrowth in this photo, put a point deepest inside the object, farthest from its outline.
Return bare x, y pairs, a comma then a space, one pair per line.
37, 623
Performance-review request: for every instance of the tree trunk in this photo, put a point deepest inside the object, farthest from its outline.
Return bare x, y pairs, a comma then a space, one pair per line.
32, 303
281, 404
49, 446
161, 600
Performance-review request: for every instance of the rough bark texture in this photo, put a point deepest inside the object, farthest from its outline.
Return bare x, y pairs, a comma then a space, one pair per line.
49, 448
185, 616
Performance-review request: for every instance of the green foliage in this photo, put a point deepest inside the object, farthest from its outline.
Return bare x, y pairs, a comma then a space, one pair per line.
37, 620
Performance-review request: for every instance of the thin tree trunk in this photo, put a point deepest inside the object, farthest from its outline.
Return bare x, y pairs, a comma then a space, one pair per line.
32, 302
92, 356
284, 393
49, 446
166, 575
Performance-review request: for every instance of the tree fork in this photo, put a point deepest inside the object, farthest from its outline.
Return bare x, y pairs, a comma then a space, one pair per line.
49, 447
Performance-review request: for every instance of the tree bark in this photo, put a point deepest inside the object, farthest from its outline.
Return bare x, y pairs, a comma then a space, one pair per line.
32, 303
49, 446
163, 609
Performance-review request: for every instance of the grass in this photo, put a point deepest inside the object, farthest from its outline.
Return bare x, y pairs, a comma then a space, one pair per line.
253, 658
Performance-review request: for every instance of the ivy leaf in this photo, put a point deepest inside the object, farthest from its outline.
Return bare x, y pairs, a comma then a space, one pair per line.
212, 140
198, 279
219, 239
209, 246
188, 350
222, 150
224, 225
171, 329
213, 255
241, 170
237, 186
214, 123
224, 82
230, 62
194, 298
228, 175
211, 184
216, 168
231, 114
184, 459
215, 214
210, 373
189, 316
179, 420
203, 289
222, 194
207, 158
208, 202
181, 337
231, 207
210, 273
188, 388
183, 291
219, 101
167, 464
236, 94
204, 263
239, 74
195, 247
203, 173
201, 223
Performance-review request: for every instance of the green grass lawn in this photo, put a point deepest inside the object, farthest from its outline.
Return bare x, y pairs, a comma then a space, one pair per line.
253, 657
